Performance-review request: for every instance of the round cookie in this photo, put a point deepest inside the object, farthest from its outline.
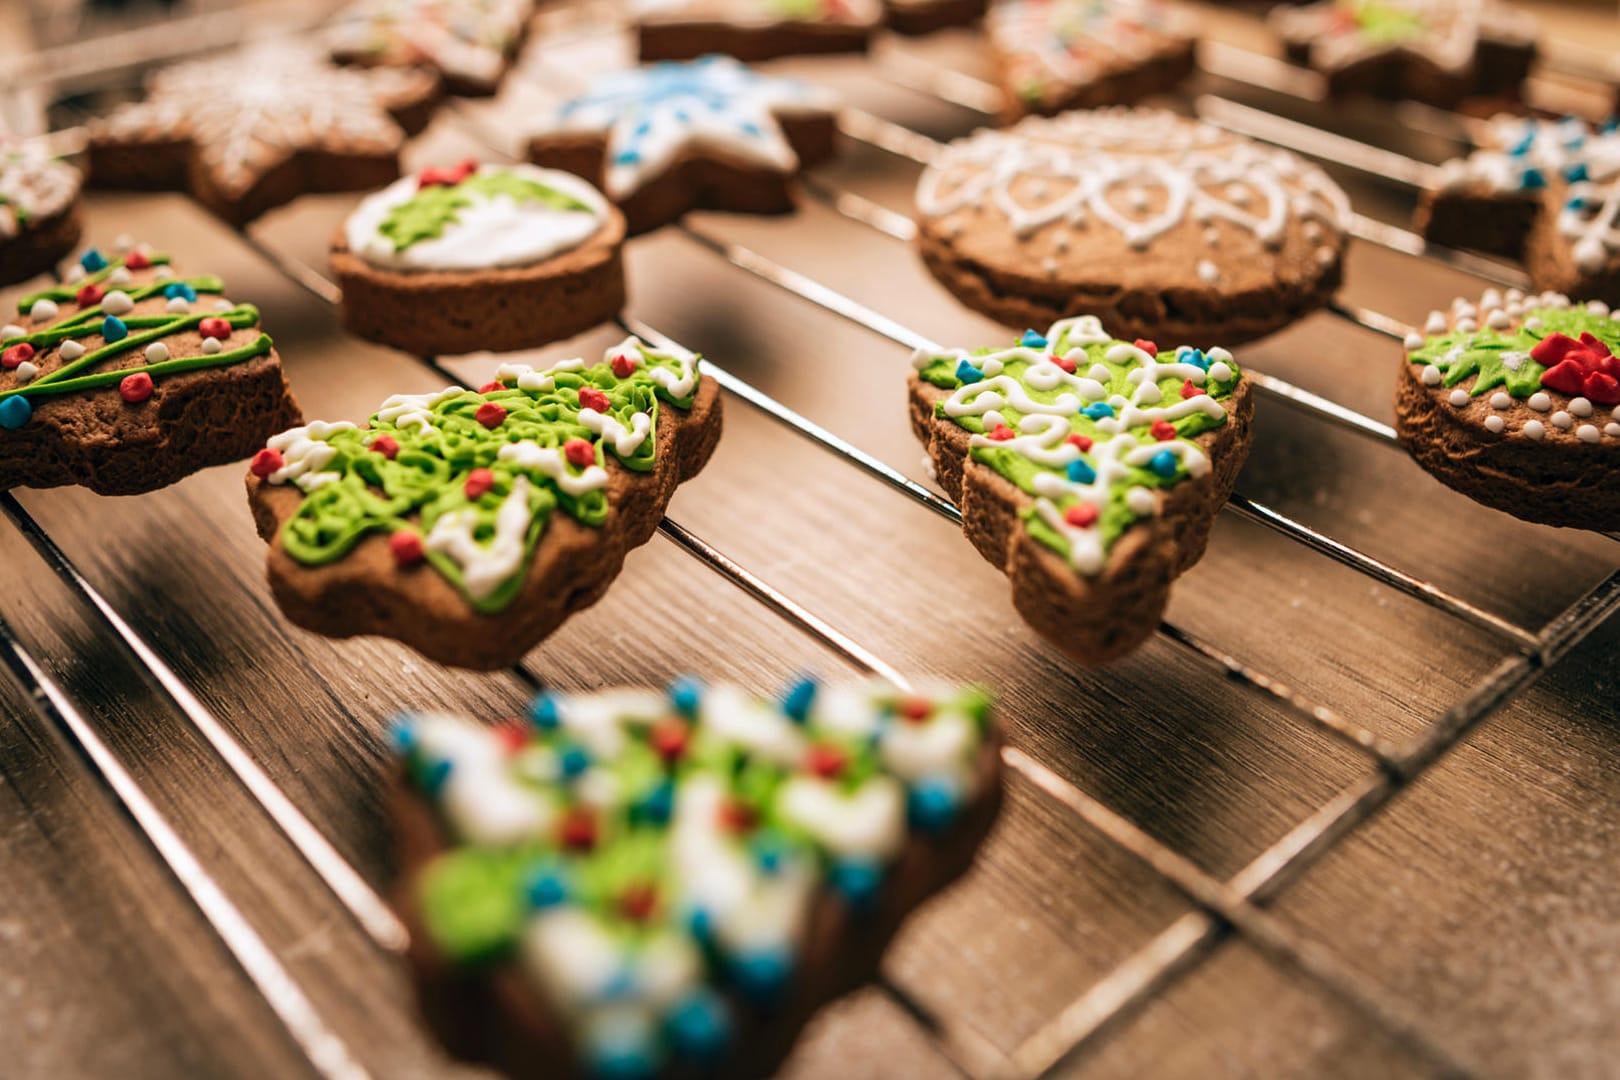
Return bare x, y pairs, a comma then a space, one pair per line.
1164, 227
39, 209
1515, 402
470, 257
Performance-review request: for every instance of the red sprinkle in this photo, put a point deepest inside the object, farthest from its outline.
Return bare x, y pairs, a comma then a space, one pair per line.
512, 734
669, 738
14, 356
592, 398
579, 830
638, 901
490, 415
623, 365
1079, 442
90, 294
448, 176
406, 547
1162, 430
214, 327
137, 260
1083, 516
1147, 346
135, 388
826, 761
491, 387
478, 482
386, 445
915, 709
1063, 362
265, 462
1188, 390
580, 454
1001, 433
738, 816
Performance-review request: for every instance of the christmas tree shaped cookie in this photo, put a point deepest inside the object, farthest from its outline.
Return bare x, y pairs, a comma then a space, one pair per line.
469, 43
131, 375
1515, 402
644, 884
469, 524
1088, 468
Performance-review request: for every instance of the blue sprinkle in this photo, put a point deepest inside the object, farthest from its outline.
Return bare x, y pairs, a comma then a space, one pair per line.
623, 1052
701, 923
932, 804
93, 260
1032, 340
546, 887
14, 412
1164, 463
543, 711
699, 1026
967, 373
436, 774
644, 128
628, 156
1189, 355
1098, 410
798, 699
1576, 172
1081, 473
1532, 180
113, 329
763, 973
402, 733
658, 805
180, 289
574, 761
768, 850
859, 881
748, 127
686, 694
1576, 202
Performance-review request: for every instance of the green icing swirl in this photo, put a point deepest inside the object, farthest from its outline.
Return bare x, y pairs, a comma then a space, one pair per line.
1501, 358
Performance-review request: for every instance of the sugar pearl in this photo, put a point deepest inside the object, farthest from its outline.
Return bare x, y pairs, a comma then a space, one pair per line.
1539, 401
210, 345
70, 350
1100, 373
1534, 429
120, 276
26, 371
1466, 326
123, 242
117, 302
178, 305
1587, 433
1414, 341
1459, 397
1491, 298
1220, 372
1494, 424
1500, 400
1580, 406
43, 310
1598, 307
223, 304
1612, 429
1436, 323
1561, 420
1515, 296
1140, 501
157, 352
1208, 272
163, 272
1533, 323
1497, 320
75, 273
1431, 375
11, 330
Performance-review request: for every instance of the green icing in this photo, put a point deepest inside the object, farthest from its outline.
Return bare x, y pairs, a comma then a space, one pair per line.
1387, 24
472, 900
1501, 358
425, 215
427, 478
65, 292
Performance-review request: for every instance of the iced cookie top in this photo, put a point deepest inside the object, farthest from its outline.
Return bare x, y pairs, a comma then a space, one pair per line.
33, 185
1444, 32
1052, 45
466, 39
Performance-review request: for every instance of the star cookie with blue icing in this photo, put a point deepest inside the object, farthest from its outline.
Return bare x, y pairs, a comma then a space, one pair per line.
645, 884
671, 137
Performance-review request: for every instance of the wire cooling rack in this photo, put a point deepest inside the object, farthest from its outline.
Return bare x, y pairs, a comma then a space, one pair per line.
1221, 907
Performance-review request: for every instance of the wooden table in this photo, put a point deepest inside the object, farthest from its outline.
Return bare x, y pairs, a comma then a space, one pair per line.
1472, 919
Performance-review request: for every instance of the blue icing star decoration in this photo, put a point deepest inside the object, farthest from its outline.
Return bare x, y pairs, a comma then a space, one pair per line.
652, 114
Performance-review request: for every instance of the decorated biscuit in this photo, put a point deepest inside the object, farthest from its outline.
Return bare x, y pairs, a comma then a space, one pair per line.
668, 138
1515, 402
131, 375
39, 209
1162, 226
469, 524
469, 43
917, 17
1436, 51
752, 29
1546, 192
641, 884
1056, 55
469, 257
1088, 468
251, 130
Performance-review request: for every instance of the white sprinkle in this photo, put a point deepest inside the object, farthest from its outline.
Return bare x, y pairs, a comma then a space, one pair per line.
1208, 272
1513, 361
117, 302
1580, 406
1462, 307
1431, 375
1466, 325
157, 352
1050, 265
120, 276
163, 272
1515, 296
1140, 501
1534, 429
1561, 420
1414, 341
1459, 397
1499, 400
70, 350
1597, 307
1588, 433
75, 273
1612, 429
1498, 319
26, 371
1494, 424
1615, 412
210, 345
178, 304
44, 310
1220, 372
1100, 373
1491, 298
123, 242
11, 330
1436, 323
1212, 237
223, 304
1539, 401
1533, 323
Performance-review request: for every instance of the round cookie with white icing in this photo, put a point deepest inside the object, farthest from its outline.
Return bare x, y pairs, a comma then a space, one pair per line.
1088, 468
469, 524
39, 209
473, 257
1160, 225
1515, 402
668, 884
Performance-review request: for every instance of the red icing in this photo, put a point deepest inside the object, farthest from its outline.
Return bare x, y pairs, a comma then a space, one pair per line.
1188, 390
490, 415
135, 388
579, 830
1064, 363
1001, 433
1584, 368
1162, 430
386, 445
214, 327
1080, 442
738, 816
669, 738
1146, 346
137, 260
478, 482
448, 175
491, 387
14, 356
592, 398
1083, 516
265, 462
638, 902
406, 547
915, 709
580, 453
623, 365
513, 735
90, 294
826, 761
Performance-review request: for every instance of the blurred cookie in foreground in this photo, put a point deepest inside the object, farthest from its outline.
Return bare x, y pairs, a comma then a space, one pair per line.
39, 208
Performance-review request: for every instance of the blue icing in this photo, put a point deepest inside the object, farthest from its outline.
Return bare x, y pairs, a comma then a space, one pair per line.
967, 373
1081, 473
699, 1026
1164, 463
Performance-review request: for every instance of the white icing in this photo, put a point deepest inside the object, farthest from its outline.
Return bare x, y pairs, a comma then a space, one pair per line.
414, 410
549, 461
482, 800
33, 186
485, 566
304, 452
466, 39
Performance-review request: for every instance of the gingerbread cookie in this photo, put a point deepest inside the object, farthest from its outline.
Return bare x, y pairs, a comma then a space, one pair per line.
1546, 192
252, 130
470, 524
469, 43
1088, 468
918, 17
1160, 225
39, 209
668, 138
1056, 55
471, 257
1515, 402
752, 29
1437, 51
642, 884
130, 376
